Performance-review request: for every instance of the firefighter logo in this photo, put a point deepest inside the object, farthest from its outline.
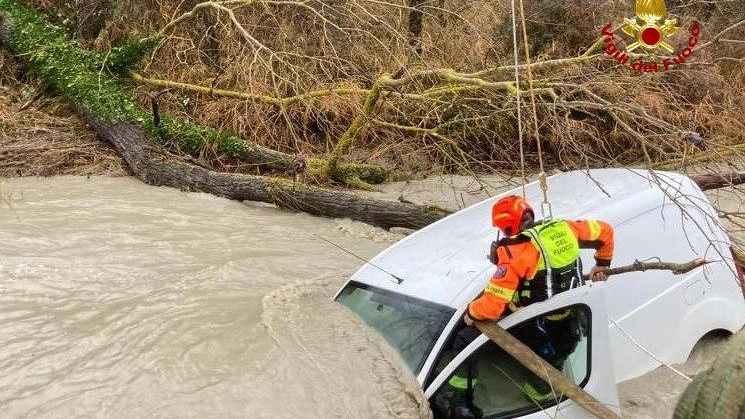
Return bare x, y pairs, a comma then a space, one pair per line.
650, 28
650, 31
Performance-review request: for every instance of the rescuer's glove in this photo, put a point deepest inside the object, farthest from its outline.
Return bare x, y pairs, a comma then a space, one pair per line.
598, 273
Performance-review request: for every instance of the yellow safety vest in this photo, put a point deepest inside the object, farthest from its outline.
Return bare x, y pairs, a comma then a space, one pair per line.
559, 258
556, 242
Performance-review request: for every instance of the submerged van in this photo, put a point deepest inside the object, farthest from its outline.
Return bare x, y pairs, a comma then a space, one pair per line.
415, 292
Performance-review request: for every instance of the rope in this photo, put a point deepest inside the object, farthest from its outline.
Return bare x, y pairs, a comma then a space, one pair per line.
542, 175
517, 96
647, 351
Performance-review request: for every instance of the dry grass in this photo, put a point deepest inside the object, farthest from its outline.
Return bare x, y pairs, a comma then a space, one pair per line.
45, 139
605, 115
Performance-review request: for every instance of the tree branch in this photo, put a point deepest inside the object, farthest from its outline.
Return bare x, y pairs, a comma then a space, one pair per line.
270, 100
347, 139
718, 180
716, 37
560, 385
639, 266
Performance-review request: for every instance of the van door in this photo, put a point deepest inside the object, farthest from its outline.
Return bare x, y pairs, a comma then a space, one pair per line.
570, 331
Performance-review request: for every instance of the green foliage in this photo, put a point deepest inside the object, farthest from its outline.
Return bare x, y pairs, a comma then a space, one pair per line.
124, 58
83, 77
192, 138
77, 74
717, 392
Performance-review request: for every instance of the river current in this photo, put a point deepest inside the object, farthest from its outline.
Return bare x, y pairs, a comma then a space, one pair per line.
123, 300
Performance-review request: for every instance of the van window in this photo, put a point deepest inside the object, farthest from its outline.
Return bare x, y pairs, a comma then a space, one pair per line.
492, 384
411, 326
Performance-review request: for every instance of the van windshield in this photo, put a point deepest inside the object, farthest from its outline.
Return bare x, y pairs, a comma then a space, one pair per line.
411, 326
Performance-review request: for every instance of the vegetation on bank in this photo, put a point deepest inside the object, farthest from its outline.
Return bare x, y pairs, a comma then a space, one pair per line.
298, 77
93, 81
300, 74
39, 136
718, 391
66, 67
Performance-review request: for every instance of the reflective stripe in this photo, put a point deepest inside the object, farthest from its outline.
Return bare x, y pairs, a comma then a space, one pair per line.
498, 217
559, 316
535, 239
458, 382
536, 395
517, 297
502, 292
594, 229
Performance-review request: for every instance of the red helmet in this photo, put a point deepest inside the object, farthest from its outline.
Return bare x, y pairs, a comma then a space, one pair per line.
507, 213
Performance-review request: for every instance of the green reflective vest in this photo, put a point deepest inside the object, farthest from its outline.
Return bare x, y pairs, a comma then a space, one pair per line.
559, 250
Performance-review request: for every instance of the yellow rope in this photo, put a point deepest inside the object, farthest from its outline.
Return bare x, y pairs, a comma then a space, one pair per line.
542, 174
517, 96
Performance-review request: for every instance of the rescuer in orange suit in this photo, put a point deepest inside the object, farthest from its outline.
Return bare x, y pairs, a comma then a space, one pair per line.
534, 261
520, 277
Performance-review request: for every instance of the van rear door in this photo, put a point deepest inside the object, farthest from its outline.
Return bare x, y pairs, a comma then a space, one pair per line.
569, 330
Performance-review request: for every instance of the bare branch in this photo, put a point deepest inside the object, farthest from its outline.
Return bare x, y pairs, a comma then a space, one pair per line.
561, 385
716, 181
715, 38
249, 96
638, 266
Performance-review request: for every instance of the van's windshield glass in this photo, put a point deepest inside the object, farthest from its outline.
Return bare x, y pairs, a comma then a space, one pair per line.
411, 326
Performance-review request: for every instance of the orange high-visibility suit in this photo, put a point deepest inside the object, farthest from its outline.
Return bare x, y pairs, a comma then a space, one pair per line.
518, 259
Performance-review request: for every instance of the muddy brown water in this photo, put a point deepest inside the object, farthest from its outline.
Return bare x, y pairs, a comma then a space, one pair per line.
123, 300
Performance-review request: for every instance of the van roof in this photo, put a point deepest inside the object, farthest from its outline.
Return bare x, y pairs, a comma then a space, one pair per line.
446, 262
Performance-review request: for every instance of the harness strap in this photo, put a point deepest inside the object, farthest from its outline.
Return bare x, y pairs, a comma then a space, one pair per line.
577, 275
546, 264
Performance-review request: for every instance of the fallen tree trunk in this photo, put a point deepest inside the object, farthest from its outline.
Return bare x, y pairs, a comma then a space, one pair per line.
153, 167
739, 256
81, 76
84, 78
718, 180
561, 385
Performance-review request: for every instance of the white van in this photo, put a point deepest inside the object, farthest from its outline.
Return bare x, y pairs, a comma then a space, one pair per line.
415, 292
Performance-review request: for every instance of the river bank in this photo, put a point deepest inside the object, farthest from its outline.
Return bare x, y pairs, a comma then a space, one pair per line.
39, 136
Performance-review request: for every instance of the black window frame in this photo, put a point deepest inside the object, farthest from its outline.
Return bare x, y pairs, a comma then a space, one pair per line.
531, 408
